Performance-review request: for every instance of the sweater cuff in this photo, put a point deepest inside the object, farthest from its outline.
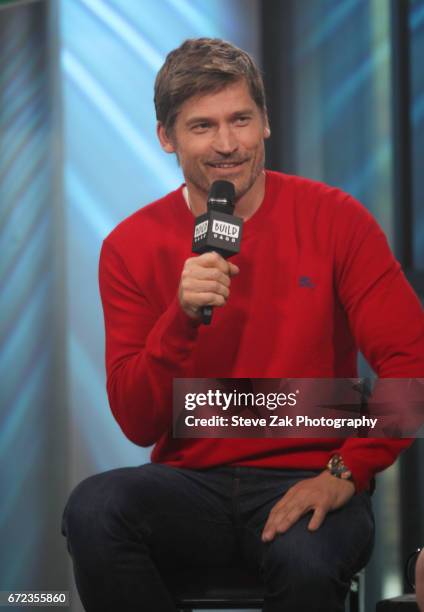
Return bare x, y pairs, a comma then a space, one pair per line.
365, 457
361, 476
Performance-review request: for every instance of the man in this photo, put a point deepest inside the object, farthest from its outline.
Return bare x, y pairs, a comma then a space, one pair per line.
297, 510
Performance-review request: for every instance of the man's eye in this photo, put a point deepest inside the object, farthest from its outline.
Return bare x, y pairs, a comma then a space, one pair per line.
242, 120
200, 127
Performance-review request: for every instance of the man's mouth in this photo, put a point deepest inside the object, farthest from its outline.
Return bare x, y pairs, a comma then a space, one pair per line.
225, 164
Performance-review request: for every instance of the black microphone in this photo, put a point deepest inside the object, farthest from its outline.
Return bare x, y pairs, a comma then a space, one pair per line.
218, 229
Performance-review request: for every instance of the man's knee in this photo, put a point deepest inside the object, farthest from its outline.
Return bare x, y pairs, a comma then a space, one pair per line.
97, 510
295, 562
82, 510
306, 575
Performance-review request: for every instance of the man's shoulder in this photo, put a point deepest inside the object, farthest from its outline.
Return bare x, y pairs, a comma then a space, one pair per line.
149, 218
312, 196
306, 189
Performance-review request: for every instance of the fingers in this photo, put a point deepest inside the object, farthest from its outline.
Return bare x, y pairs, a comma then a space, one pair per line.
317, 494
317, 519
284, 519
205, 280
209, 286
199, 299
214, 260
281, 519
208, 274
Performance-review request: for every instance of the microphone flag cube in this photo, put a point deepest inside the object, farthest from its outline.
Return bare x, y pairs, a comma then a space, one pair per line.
217, 231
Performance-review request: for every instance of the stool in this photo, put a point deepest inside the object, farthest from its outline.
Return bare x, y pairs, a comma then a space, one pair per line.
404, 603
230, 588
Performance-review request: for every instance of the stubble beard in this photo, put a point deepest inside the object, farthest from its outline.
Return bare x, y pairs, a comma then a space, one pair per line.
203, 184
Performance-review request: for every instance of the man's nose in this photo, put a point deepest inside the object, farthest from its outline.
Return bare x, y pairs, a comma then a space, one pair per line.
225, 141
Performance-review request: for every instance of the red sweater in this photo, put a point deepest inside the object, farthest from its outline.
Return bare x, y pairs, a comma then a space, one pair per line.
273, 326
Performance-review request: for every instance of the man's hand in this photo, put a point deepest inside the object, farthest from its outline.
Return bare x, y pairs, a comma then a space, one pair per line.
205, 281
320, 494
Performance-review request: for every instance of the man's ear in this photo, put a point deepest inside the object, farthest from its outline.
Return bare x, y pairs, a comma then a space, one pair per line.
165, 141
267, 129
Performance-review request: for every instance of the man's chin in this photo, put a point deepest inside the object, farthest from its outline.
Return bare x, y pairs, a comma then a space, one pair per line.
241, 184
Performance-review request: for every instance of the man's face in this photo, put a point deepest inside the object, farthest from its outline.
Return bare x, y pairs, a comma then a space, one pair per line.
219, 136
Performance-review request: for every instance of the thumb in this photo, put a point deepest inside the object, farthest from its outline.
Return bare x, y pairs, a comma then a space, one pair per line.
233, 270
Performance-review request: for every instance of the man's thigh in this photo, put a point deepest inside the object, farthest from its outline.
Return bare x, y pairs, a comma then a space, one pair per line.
340, 547
179, 514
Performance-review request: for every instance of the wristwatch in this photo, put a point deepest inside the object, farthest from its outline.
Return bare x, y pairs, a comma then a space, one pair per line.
337, 468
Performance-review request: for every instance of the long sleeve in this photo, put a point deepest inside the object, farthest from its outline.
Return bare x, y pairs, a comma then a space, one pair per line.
145, 350
386, 319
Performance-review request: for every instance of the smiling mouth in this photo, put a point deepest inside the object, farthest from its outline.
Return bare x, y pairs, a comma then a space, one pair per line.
225, 165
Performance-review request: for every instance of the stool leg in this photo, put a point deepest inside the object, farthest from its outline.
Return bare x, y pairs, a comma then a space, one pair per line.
353, 601
357, 593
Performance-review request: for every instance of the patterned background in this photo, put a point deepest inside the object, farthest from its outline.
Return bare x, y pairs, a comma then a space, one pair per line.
78, 153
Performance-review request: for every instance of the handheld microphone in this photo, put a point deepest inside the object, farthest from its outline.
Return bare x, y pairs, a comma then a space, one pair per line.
218, 229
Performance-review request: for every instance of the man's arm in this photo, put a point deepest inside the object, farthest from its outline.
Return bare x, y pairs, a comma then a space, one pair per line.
146, 349
387, 322
386, 319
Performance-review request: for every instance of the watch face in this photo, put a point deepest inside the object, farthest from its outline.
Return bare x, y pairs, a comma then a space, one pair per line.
337, 468
335, 463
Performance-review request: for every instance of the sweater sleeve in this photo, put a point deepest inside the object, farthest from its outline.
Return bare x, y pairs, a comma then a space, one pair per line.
386, 319
145, 350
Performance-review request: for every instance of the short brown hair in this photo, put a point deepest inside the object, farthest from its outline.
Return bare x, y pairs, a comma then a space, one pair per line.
203, 65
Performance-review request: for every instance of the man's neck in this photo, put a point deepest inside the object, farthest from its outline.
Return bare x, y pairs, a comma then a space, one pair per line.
245, 207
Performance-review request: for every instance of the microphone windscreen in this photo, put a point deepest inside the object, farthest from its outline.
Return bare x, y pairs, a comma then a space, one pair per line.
221, 195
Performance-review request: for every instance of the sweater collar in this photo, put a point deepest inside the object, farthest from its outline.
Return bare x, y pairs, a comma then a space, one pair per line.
252, 225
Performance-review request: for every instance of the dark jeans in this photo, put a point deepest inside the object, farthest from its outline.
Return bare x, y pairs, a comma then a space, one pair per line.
128, 526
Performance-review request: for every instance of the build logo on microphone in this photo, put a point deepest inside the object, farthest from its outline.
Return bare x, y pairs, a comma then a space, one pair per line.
225, 231
201, 230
